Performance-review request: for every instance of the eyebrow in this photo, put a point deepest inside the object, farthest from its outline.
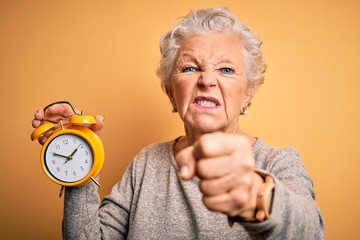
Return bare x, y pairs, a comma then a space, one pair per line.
222, 59
184, 58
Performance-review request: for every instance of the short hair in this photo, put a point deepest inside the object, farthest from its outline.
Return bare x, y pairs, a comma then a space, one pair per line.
207, 21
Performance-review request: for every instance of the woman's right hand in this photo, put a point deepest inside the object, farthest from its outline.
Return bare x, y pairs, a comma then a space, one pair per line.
61, 111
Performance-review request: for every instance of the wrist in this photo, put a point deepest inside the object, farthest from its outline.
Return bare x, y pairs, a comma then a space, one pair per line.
264, 199
261, 200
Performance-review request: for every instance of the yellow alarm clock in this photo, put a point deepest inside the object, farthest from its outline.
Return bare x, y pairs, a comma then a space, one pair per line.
73, 155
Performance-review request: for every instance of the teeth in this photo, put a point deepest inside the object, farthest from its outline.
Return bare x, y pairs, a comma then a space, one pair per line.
206, 103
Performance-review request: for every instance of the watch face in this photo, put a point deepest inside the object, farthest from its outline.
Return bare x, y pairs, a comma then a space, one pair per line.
68, 158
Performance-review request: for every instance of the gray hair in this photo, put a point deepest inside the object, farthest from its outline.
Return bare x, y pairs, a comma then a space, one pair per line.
207, 21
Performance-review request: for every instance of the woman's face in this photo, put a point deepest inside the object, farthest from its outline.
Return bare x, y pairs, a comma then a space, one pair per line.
209, 85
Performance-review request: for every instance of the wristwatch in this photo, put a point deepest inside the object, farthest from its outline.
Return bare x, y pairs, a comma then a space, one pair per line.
264, 199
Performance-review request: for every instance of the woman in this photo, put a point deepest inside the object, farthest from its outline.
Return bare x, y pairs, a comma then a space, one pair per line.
215, 182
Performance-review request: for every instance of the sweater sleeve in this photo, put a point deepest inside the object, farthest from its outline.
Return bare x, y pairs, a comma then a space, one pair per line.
294, 212
85, 217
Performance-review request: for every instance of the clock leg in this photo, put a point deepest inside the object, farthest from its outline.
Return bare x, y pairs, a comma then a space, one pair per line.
94, 180
61, 191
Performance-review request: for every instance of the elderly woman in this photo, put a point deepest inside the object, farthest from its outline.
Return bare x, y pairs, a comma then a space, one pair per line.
215, 182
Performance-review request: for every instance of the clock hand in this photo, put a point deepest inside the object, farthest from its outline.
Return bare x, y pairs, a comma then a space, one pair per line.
73, 153
59, 155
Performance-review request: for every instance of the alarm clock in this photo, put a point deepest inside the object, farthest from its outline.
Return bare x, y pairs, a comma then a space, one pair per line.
72, 155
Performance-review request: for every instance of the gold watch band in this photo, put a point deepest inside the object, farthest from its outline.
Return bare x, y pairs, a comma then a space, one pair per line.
264, 199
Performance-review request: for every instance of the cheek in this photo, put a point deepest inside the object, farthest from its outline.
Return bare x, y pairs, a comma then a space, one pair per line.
235, 89
234, 95
232, 101
182, 91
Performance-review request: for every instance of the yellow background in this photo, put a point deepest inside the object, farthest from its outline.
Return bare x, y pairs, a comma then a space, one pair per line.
102, 56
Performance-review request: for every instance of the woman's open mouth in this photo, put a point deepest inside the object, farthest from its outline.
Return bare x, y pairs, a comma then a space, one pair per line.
206, 102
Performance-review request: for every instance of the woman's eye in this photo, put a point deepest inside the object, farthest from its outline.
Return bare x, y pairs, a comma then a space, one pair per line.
226, 70
189, 69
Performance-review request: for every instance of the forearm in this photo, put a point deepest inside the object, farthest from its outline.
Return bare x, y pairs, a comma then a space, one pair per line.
85, 217
80, 210
293, 216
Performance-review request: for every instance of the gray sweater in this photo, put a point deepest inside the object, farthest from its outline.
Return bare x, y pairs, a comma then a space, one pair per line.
152, 202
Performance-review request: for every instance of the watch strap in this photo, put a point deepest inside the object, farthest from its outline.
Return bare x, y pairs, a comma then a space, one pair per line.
264, 199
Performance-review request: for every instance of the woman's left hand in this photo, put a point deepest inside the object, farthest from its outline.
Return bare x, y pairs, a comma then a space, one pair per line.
225, 165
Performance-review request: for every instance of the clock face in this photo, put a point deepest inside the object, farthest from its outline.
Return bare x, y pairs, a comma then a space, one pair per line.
68, 158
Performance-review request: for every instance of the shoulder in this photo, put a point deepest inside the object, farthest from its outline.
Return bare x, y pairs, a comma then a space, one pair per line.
155, 149
274, 159
283, 163
264, 152
153, 155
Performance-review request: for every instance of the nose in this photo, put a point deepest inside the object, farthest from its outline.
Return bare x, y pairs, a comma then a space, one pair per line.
207, 79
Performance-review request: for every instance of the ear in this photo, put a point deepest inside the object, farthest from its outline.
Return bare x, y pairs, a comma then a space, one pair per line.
168, 92
250, 92
170, 95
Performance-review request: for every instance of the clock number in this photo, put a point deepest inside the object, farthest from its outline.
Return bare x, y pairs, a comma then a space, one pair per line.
74, 173
65, 141
74, 141
86, 153
58, 169
82, 168
65, 173
86, 161
81, 146
57, 146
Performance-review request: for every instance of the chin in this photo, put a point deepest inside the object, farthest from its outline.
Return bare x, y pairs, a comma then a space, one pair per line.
207, 128
205, 124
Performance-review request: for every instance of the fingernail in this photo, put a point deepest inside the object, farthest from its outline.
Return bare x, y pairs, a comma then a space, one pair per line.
184, 171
